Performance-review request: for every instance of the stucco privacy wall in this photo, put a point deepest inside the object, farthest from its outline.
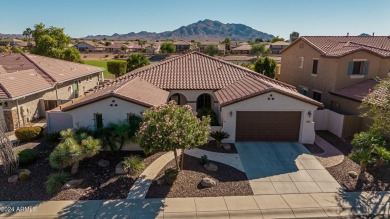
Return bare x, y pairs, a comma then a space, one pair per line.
84, 115
261, 103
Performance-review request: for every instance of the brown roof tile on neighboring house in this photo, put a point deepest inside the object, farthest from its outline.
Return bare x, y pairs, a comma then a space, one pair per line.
336, 46
61, 70
134, 90
22, 83
208, 43
182, 42
358, 91
221, 47
243, 48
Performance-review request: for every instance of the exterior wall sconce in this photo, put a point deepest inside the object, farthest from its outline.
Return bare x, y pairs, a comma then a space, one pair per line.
231, 113
309, 113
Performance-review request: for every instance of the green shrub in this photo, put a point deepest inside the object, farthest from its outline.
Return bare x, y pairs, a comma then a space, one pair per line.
27, 156
55, 181
133, 164
211, 114
23, 176
53, 137
117, 67
204, 160
170, 175
28, 133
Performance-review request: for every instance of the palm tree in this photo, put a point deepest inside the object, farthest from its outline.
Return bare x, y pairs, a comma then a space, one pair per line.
141, 43
27, 33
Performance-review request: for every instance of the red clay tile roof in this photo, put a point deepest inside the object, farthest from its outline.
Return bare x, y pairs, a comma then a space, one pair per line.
357, 91
197, 71
20, 83
380, 95
134, 90
243, 48
254, 85
336, 46
48, 69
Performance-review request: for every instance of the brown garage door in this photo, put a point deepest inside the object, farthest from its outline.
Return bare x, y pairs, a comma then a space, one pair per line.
267, 126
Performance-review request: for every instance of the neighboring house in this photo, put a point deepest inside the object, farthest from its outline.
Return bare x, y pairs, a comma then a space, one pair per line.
90, 46
338, 71
249, 106
183, 46
117, 48
243, 49
31, 84
13, 42
221, 47
278, 46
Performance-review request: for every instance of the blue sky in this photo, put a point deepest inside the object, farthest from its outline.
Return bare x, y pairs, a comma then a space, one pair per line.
281, 17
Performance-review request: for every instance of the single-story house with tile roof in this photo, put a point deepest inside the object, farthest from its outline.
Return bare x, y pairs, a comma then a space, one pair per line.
31, 84
243, 49
90, 46
249, 106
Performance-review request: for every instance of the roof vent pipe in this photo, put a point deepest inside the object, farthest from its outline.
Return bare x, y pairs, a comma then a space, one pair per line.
373, 33
347, 34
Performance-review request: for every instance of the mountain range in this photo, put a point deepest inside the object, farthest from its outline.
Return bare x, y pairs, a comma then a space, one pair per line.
201, 30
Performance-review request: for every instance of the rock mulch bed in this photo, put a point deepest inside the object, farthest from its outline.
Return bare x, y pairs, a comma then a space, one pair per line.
212, 146
229, 181
373, 180
98, 182
314, 149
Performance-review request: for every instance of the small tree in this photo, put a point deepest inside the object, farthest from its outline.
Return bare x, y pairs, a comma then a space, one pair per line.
369, 148
72, 149
258, 49
136, 60
266, 66
276, 39
211, 50
259, 40
294, 36
168, 47
378, 105
117, 67
8, 157
227, 43
170, 127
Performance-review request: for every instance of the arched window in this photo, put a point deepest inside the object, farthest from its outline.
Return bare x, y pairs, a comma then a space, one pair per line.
203, 102
178, 98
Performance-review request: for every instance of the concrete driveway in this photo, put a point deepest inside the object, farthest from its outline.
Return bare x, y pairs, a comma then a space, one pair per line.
283, 168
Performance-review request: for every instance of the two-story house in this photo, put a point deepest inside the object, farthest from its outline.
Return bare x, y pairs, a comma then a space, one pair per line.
278, 46
338, 71
31, 84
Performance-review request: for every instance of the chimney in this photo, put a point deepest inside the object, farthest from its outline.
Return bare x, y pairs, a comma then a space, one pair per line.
373, 33
347, 34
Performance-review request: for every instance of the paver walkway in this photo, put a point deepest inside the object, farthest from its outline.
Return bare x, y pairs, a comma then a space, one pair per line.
283, 168
350, 205
331, 156
232, 160
143, 182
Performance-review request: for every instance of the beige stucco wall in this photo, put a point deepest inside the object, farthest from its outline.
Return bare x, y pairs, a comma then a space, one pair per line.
84, 115
331, 72
261, 103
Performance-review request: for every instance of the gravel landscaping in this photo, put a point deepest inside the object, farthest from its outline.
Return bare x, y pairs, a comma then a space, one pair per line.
229, 181
99, 182
212, 146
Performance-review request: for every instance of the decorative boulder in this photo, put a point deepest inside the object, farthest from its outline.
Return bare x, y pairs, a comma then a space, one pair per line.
353, 174
211, 167
119, 169
13, 179
72, 183
226, 146
103, 163
208, 182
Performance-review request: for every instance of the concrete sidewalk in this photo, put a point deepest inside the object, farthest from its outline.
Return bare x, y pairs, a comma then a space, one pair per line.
347, 205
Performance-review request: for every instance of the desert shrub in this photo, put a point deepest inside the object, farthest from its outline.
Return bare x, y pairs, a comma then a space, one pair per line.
219, 136
53, 137
106, 56
117, 67
73, 149
28, 133
133, 164
211, 114
23, 176
27, 156
55, 181
170, 175
204, 160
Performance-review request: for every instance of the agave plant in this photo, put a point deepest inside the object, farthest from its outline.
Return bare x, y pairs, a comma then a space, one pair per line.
219, 136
